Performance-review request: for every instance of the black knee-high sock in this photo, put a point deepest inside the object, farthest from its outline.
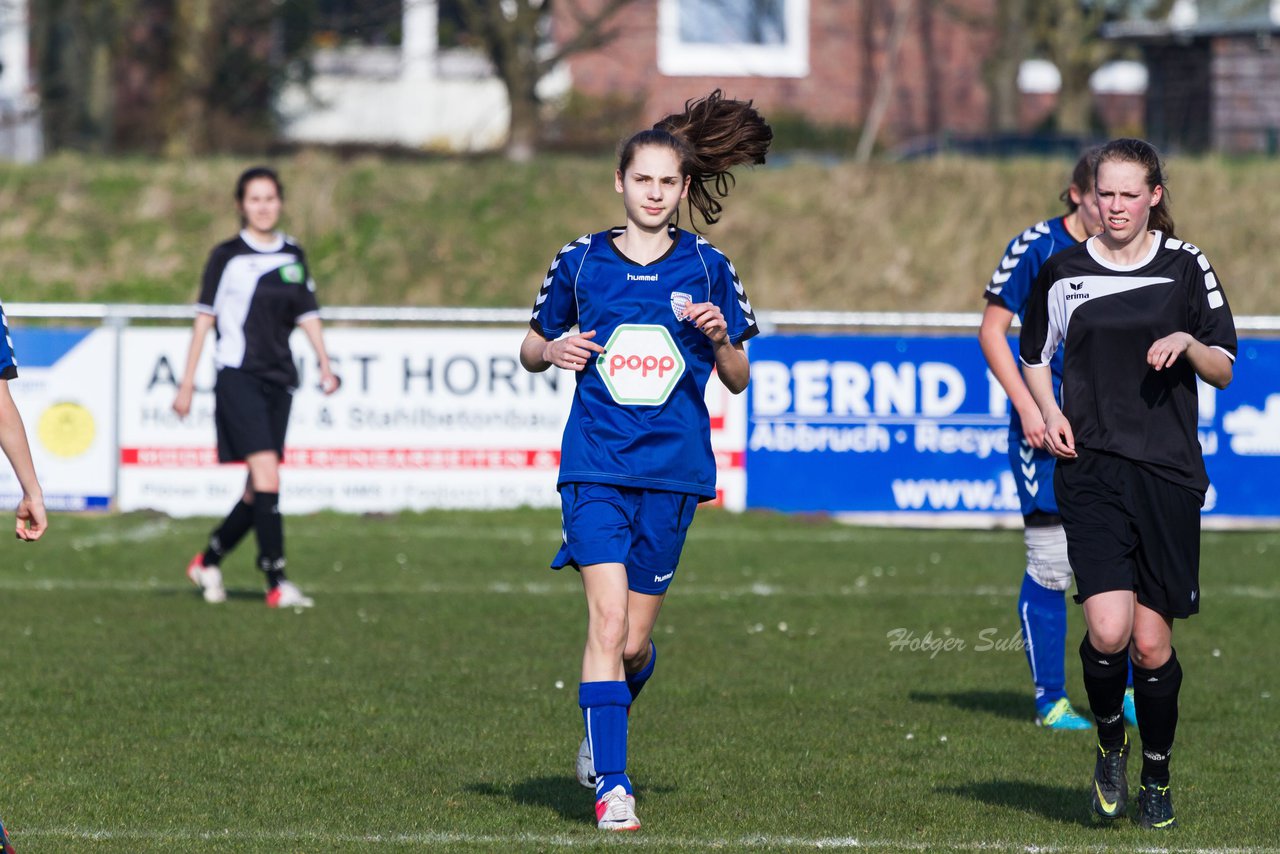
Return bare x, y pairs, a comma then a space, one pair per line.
1105, 677
269, 526
1155, 694
229, 534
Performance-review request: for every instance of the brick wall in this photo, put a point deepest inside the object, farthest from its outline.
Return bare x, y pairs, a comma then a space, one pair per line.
938, 84
1245, 75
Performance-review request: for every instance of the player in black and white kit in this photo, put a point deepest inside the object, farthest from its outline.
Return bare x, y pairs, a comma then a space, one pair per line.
256, 288
1142, 315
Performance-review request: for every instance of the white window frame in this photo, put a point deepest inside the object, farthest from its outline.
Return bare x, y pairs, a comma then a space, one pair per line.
677, 58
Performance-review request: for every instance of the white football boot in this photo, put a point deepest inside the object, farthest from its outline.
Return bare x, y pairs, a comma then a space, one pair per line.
287, 595
616, 810
208, 579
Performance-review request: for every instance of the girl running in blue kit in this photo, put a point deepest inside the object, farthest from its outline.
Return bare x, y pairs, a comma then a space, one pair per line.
656, 309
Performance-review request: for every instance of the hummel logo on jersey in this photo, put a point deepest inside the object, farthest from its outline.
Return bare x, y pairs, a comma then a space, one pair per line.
636, 277
657, 579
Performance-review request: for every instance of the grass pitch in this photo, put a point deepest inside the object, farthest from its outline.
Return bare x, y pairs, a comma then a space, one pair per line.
429, 700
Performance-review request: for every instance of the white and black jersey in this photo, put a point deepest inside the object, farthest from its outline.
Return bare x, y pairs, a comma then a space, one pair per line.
1107, 317
257, 294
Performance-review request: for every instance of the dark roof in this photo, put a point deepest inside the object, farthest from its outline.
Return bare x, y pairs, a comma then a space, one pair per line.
1213, 18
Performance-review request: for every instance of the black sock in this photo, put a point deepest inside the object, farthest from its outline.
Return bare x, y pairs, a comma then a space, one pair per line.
1155, 694
229, 534
269, 526
1105, 677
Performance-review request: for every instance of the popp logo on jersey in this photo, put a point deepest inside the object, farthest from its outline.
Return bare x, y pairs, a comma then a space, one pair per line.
640, 365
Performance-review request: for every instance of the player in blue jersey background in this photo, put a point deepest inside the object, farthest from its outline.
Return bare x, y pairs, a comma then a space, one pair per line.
656, 309
1042, 603
30, 515
31, 521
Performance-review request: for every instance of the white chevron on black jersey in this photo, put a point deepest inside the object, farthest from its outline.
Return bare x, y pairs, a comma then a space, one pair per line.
1107, 317
257, 294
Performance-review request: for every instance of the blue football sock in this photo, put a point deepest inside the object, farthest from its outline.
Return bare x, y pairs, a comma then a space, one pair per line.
604, 713
1042, 614
635, 681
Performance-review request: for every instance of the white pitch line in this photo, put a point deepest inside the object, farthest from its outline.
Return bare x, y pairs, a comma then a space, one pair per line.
641, 840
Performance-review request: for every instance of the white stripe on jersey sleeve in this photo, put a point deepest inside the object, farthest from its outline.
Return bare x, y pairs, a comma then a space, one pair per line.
1011, 259
584, 240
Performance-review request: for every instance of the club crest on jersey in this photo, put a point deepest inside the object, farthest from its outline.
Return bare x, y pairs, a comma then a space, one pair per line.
641, 364
292, 273
679, 303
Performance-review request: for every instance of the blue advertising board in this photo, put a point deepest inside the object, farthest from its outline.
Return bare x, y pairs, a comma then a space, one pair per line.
916, 429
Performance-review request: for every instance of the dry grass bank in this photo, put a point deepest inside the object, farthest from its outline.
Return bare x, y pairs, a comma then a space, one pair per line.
922, 235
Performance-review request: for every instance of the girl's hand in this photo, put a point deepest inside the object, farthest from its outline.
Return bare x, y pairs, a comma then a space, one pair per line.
707, 319
182, 401
1166, 351
329, 381
1059, 439
31, 521
574, 352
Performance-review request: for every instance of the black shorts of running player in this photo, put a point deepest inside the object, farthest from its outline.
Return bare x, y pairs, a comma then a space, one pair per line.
1129, 529
251, 415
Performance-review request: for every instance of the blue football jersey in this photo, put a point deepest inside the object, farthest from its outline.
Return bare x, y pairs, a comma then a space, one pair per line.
8, 361
1011, 283
638, 417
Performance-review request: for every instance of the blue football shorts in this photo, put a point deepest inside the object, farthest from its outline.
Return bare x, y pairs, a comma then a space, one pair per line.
642, 529
1033, 473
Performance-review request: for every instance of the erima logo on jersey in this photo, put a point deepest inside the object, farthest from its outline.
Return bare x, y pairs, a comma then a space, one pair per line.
1075, 288
636, 277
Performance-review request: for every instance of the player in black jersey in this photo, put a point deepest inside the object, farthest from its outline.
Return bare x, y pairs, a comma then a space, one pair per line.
256, 288
1142, 316
1042, 600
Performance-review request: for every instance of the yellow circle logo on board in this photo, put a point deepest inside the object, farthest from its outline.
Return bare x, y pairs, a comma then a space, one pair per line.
66, 429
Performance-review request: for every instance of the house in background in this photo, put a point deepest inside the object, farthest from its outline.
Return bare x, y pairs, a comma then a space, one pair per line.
1214, 68
20, 136
825, 62
368, 91
819, 62
815, 60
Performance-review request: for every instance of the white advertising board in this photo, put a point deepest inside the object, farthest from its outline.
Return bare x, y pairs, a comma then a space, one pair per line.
65, 390
425, 418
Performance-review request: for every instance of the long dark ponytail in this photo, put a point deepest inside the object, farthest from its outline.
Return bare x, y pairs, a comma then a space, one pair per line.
1144, 154
711, 136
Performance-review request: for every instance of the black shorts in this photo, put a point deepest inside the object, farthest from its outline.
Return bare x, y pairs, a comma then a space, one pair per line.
1128, 529
251, 415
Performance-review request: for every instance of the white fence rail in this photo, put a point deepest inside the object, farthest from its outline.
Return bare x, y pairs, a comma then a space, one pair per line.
786, 320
